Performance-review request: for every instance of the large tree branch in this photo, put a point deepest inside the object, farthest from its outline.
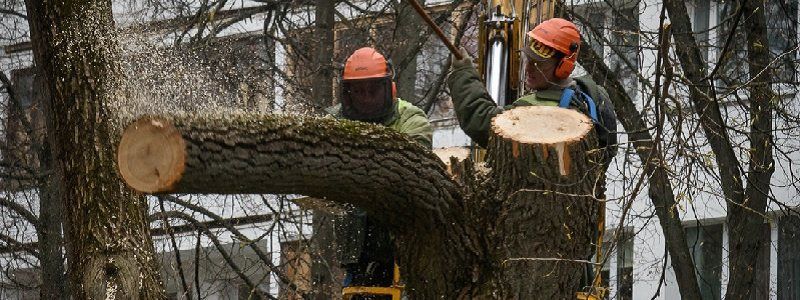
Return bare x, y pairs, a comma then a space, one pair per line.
473, 247
321, 157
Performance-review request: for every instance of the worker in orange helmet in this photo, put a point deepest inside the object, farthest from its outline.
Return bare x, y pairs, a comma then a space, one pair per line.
549, 59
368, 94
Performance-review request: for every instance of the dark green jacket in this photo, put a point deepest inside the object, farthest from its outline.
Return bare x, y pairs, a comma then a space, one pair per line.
475, 108
407, 119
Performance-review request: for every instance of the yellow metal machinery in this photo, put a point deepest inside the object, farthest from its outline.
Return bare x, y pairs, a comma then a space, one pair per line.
395, 290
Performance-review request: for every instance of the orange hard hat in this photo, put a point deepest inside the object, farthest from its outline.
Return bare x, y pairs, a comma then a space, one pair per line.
555, 35
366, 63
559, 34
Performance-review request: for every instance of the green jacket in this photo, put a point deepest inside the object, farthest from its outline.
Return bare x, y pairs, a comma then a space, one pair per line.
475, 108
407, 119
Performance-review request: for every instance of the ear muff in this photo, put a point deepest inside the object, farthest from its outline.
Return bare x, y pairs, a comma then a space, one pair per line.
565, 67
567, 64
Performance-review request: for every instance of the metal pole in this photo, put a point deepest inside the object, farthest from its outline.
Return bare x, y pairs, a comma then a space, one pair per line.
421, 11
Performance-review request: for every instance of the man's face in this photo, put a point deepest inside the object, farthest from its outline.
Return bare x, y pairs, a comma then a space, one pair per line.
539, 72
367, 97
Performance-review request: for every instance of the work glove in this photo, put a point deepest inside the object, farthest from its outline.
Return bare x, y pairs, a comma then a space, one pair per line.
464, 62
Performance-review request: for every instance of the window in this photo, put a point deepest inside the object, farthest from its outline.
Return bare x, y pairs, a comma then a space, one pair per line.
299, 66
700, 23
620, 23
705, 246
594, 30
605, 273
789, 257
781, 17
24, 130
782, 36
625, 38
623, 252
625, 266
733, 67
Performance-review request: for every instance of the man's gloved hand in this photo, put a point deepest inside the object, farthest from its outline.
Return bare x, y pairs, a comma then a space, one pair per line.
464, 62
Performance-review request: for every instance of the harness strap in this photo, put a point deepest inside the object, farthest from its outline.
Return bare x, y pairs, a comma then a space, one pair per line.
566, 98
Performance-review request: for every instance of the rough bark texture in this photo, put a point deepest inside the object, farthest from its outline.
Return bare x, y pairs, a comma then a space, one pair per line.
49, 228
341, 161
496, 234
323, 256
547, 216
322, 90
659, 187
109, 250
409, 26
746, 219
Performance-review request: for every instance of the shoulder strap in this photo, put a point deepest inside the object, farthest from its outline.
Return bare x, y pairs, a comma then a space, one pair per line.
592, 106
566, 99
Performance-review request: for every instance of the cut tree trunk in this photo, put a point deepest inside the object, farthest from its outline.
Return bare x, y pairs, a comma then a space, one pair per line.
523, 230
543, 162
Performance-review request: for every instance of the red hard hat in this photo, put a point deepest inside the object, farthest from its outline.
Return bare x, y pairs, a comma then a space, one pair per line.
365, 63
559, 34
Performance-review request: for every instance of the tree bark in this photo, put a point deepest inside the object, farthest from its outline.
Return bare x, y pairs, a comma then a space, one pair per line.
109, 250
548, 210
322, 86
746, 219
409, 26
323, 256
51, 210
476, 237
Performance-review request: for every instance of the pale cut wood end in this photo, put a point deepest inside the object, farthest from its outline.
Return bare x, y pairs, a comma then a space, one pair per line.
547, 125
151, 155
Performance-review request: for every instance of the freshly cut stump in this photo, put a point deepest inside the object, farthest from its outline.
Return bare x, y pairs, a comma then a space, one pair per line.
549, 209
547, 126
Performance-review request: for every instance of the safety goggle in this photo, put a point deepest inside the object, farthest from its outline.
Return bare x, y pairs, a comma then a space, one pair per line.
538, 49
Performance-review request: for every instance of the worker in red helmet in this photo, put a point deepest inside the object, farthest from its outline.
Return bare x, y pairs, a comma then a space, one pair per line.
368, 94
549, 59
